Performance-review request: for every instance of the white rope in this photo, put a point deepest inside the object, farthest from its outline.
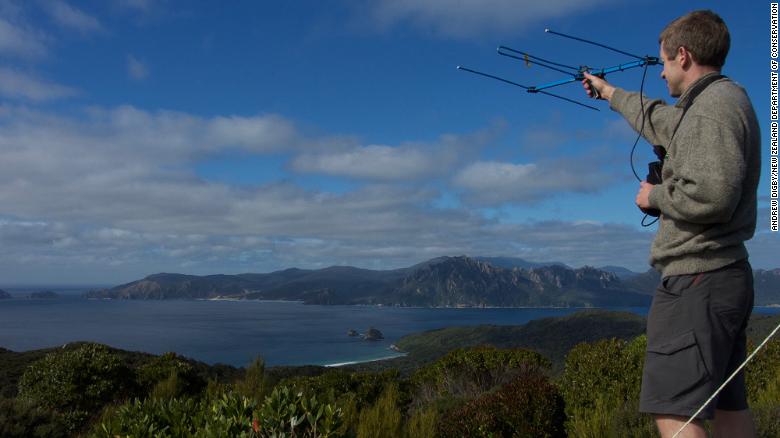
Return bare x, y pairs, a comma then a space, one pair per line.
727, 381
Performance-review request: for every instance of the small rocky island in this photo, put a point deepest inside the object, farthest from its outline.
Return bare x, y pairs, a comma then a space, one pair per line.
373, 335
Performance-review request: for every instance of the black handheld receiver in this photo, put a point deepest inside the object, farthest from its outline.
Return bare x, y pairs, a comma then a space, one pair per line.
654, 175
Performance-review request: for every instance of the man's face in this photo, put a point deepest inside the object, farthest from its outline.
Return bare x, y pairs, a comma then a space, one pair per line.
672, 73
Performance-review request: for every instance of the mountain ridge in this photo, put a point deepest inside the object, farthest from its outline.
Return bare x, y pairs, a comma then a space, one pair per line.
459, 281
449, 281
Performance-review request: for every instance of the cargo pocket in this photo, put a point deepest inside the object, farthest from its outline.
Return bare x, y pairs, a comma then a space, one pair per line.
674, 368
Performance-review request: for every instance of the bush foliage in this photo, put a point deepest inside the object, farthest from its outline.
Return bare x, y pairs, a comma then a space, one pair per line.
25, 419
76, 383
283, 414
467, 373
481, 392
762, 378
170, 376
528, 406
600, 386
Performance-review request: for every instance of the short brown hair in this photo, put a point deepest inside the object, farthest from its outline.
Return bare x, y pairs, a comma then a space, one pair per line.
703, 33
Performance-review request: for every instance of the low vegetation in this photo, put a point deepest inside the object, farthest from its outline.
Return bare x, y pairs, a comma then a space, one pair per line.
475, 391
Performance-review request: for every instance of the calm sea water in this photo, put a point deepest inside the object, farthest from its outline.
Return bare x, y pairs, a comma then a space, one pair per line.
235, 332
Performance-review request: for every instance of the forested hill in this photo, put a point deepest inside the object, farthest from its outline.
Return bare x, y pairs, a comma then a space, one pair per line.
441, 282
446, 281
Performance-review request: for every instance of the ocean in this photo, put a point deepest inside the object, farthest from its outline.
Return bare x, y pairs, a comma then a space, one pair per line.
235, 332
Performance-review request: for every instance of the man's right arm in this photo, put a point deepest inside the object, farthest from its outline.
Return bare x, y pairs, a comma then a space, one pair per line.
659, 118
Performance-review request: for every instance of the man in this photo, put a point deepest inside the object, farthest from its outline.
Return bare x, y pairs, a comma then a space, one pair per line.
707, 199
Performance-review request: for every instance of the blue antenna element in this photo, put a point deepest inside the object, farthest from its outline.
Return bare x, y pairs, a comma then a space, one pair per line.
460, 67
528, 89
575, 74
591, 42
597, 72
530, 59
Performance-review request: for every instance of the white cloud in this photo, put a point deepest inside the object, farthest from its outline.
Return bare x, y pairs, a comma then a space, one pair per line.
111, 196
496, 183
139, 5
408, 161
18, 85
467, 18
136, 69
369, 162
257, 134
399, 239
127, 166
20, 41
69, 17
491, 175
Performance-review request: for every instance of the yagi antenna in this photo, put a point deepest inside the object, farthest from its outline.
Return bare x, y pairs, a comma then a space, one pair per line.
528, 89
594, 43
575, 74
530, 59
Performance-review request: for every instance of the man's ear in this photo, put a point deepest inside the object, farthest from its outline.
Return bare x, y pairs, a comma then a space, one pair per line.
684, 57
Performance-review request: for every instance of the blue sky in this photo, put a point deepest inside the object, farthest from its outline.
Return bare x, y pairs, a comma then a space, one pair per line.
143, 136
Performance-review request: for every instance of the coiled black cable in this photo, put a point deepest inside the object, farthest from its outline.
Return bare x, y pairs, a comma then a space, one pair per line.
638, 136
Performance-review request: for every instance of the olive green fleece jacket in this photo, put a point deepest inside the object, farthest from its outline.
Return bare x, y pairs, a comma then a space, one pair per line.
710, 176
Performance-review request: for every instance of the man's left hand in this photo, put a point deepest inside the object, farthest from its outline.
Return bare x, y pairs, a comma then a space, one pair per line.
642, 198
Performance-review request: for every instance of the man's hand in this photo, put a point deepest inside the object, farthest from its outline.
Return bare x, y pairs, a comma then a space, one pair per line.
642, 198
603, 87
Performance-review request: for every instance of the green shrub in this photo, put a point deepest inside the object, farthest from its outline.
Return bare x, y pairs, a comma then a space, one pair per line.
24, 419
334, 385
228, 415
766, 409
422, 423
383, 419
287, 413
169, 376
762, 378
75, 383
215, 389
350, 415
528, 406
762, 370
171, 387
254, 384
151, 417
283, 414
610, 367
600, 385
469, 372
347, 391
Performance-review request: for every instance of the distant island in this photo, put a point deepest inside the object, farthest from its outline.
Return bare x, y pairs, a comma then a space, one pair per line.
458, 282
373, 335
4, 295
43, 295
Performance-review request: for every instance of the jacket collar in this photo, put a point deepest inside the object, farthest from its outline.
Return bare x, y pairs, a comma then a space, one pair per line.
686, 96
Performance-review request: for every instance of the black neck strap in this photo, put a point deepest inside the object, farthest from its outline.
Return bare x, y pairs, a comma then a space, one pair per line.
697, 88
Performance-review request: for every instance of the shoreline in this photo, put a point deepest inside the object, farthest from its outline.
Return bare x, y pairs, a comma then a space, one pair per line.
339, 364
16, 296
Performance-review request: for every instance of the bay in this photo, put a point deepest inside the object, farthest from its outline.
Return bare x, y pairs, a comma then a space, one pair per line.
235, 332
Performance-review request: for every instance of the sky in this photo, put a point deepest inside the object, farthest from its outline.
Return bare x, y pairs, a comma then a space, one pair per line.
145, 136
